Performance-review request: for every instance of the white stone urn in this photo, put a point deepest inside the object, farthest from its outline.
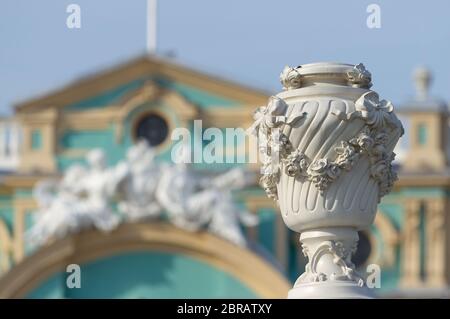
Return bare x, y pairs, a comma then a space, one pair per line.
326, 146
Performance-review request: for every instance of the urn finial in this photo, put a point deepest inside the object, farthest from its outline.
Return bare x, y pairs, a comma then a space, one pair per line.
326, 144
422, 81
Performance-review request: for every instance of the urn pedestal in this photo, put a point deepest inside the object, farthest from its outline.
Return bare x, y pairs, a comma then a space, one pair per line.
326, 145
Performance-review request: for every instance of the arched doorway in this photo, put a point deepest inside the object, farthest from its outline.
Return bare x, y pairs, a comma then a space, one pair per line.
119, 265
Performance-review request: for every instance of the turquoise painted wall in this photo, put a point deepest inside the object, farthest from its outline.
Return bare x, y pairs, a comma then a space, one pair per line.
36, 139
106, 139
198, 97
107, 98
83, 140
6, 211
146, 274
422, 134
266, 229
53, 288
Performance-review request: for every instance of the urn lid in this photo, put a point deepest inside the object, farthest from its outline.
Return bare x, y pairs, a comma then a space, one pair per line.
331, 73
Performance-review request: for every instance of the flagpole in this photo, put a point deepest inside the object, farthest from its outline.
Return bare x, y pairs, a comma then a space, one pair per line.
151, 26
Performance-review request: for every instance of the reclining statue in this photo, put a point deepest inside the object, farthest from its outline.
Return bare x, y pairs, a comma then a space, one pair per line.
144, 190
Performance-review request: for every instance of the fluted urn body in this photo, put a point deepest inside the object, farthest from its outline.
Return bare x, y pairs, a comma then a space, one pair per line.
326, 146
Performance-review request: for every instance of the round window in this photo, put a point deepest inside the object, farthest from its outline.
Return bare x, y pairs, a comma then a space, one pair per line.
152, 128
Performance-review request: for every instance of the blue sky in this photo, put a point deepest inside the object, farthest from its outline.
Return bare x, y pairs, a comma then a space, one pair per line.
246, 41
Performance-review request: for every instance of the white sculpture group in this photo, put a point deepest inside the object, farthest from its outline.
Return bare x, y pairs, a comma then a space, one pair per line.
143, 190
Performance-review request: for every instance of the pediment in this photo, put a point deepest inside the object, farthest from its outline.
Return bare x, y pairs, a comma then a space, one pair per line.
144, 67
151, 92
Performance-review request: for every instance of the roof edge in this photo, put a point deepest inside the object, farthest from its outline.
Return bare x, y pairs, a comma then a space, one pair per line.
89, 85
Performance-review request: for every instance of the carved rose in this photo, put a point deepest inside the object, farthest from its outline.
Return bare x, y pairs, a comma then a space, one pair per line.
296, 164
318, 167
292, 169
347, 155
285, 146
290, 78
381, 138
333, 171
322, 173
378, 152
378, 170
363, 140
359, 76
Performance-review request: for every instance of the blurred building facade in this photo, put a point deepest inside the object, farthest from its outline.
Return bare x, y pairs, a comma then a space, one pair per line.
149, 97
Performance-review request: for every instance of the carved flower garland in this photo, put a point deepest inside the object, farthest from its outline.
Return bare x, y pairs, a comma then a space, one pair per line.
273, 145
323, 172
371, 141
381, 122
